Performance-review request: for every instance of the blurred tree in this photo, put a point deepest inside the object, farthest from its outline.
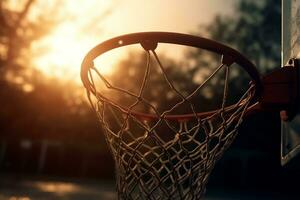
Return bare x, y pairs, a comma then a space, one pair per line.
254, 29
32, 105
18, 31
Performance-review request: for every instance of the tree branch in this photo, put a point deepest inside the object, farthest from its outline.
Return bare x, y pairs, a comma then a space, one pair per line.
23, 13
13, 32
2, 19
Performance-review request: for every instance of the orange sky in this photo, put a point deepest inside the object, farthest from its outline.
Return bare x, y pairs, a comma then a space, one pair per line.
86, 24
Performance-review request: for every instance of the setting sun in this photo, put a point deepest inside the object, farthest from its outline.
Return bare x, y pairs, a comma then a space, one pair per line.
80, 26
60, 53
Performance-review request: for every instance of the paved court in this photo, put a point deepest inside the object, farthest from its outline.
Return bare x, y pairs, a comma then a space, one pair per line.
21, 188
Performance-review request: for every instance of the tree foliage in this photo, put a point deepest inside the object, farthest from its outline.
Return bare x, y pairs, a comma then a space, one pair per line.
34, 106
18, 31
254, 29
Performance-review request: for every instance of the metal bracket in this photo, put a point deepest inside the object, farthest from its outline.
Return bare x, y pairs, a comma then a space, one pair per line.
281, 89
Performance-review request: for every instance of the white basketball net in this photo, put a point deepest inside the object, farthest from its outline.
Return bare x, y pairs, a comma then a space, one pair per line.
164, 157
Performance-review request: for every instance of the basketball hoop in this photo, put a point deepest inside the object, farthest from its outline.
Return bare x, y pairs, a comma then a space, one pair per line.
162, 155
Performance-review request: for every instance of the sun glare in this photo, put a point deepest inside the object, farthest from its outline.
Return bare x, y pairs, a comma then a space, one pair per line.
83, 25
60, 53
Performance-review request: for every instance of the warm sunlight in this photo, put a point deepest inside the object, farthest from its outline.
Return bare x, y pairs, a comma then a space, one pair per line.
80, 26
64, 52
61, 52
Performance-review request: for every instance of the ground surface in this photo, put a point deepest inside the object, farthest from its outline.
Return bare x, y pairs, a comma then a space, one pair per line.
40, 188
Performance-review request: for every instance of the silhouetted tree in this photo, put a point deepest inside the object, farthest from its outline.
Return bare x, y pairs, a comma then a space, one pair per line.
254, 30
35, 106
